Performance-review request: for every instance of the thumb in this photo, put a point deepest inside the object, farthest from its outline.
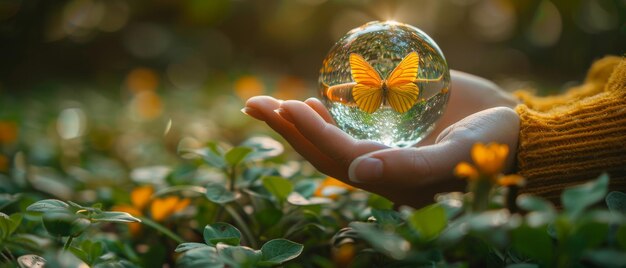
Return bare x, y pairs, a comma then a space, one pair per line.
430, 164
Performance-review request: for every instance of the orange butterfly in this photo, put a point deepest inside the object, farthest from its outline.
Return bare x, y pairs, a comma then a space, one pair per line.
399, 89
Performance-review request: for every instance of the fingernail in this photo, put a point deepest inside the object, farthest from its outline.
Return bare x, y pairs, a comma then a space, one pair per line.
365, 169
252, 112
284, 114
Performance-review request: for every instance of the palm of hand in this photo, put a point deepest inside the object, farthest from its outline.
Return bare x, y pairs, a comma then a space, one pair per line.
478, 111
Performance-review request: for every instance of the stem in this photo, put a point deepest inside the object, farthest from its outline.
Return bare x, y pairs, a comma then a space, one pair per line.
232, 175
68, 243
10, 254
510, 199
5, 257
482, 189
242, 225
162, 229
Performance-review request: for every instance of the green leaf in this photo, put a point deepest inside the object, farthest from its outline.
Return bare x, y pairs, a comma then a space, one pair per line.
429, 221
387, 216
7, 199
534, 243
238, 256
188, 246
306, 188
541, 212
576, 199
379, 202
388, 243
278, 187
451, 202
589, 234
269, 216
181, 188
534, 203
93, 249
297, 199
616, 201
211, 155
58, 223
115, 216
263, 148
78, 226
16, 220
278, 251
5, 226
75, 205
48, 205
621, 236
80, 253
606, 258
200, 257
236, 155
221, 232
217, 193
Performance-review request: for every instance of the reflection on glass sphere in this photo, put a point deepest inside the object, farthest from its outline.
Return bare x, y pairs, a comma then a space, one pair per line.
387, 82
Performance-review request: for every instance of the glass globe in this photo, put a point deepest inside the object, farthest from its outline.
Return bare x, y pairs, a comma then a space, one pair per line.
387, 82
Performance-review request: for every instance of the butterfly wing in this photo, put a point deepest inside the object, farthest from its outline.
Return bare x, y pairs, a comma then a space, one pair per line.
368, 92
402, 91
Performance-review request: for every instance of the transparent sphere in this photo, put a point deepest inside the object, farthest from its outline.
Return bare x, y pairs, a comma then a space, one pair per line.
387, 82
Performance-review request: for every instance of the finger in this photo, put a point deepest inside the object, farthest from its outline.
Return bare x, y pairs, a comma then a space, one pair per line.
469, 94
319, 107
329, 139
262, 108
429, 164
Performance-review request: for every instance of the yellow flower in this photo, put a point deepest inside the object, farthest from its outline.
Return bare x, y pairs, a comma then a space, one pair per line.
140, 196
511, 180
142, 79
147, 105
162, 208
465, 170
328, 187
490, 158
8, 132
248, 86
344, 254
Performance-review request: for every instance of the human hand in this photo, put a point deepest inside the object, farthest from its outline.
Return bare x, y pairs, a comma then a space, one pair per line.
477, 112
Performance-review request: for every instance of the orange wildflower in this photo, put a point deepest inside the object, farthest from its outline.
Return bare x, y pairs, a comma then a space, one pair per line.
344, 254
490, 158
511, 180
8, 132
248, 86
140, 196
147, 105
142, 79
162, 208
330, 186
465, 170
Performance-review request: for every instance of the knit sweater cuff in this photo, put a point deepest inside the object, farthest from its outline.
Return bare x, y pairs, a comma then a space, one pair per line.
581, 135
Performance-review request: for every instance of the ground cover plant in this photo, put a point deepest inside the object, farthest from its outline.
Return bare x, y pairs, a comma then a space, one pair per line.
216, 204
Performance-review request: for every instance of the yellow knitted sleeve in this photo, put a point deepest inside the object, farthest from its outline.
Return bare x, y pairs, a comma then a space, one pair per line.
571, 138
